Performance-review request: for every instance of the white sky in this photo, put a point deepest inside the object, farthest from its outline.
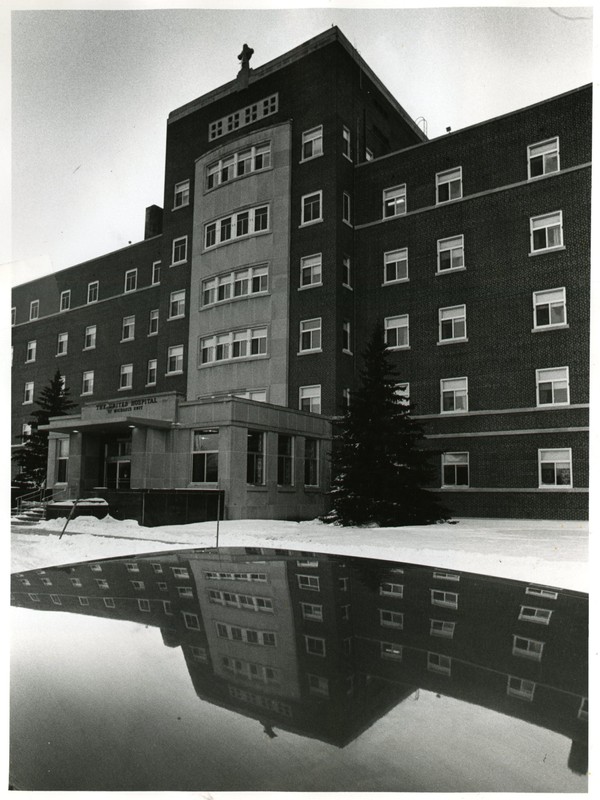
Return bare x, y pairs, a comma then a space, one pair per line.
92, 89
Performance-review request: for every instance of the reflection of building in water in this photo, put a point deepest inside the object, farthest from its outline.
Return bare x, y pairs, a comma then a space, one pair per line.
325, 645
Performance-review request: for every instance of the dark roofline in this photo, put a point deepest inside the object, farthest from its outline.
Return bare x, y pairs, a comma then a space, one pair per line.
333, 34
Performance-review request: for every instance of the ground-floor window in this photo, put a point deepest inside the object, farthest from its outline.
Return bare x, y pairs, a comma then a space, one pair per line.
455, 469
285, 460
62, 460
255, 472
555, 467
205, 456
311, 462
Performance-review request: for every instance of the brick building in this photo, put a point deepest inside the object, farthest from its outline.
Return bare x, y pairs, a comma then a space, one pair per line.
213, 354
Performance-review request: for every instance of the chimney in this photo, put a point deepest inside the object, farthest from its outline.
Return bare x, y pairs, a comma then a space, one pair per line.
153, 225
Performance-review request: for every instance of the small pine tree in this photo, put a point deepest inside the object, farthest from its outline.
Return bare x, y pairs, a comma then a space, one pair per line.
32, 458
380, 466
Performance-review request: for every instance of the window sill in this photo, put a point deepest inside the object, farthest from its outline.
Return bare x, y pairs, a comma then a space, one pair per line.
544, 406
178, 263
31, 361
183, 205
555, 488
176, 372
310, 286
464, 411
393, 216
132, 339
311, 222
449, 271
547, 250
348, 223
309, 352
398, 280
454, 488
446, 202
86, 394
349, 158
27, 403
347, 352
311, 158
452, 341
347, 286
85, 349
544, 328
178, 316
256, 357
154, 333
125, 388
402, 347
148, 385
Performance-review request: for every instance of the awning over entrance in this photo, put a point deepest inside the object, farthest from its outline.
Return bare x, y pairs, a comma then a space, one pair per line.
113, 425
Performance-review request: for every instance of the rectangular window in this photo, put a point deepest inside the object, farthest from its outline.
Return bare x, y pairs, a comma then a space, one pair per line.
62, 344
310, 335
444, 599
310, 270
543, 158
396, 332
310, 582
549, 308
255, 461
402, 392
34, 309
144, 605
552, 386
453, 324
31, 351
448, 185
519, 687
128, 329
130, 280
65, 300
191, 621
102, 583
56, 599
179, 250
546, 232
175, 359
62, 460
442, 628
541, 616
312, 143
315, 646
346, 272
310, 399
126, 376
138, 585
153, 322
394, 201
244, 116
555, 468
446, 576
311, 205
177, 304
388, 589
454, 395
312, 612
395, 266
318, 685
156, 273
346, 143
205, 456
451, 253
311, 462
391, 619
181, 194
13, 316
87, 382
151, 372
244, 223
583, 710
249, 281
346, 337
390, 650
527, 648
89, 338
346, 208
236, 165
438, 663
541, 591
239, 344
109, 602
84, 601
455, 469
285, 460
93, 292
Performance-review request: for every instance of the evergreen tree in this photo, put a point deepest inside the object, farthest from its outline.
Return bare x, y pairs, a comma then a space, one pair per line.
380, 466
53, 401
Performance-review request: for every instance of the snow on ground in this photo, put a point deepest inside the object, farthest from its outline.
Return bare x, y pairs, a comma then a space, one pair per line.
545, 552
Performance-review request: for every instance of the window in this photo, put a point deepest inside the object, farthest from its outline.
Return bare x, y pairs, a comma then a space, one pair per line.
62, 460
552, 386
346, 337
128, 329
244, 223
153, 322
310, 335
395, 266
87, 382
248, 281
540, 591
255, 461
237, 344
546, 232
444, 599
549, 308
126, 376
185, 592
391, 589
312, 612
541, 616
543, 158
583, 710
34, 309
95, 567
89, 338
26, 429
440, 627
144, 605
527, 648
175, 359
155, 273
310, 271
62, 344
181, 194
310, 399
248, 635
310, 582
312, 143
151, 372
315, 645
191, 621
285, 460
453, 324
205, 455
93, 292
346, 208
455, 469
138, 585
390, 650
519, 687
391, 619
394, 201
318, 685
346, 143
438, 663
244, 116
454, 395
312, 208
13, 316
56, 599
177, 304
84, 601
102, 583
555, 468
157, 568
131, 280
446, 576
402, 392
65, 300
311, 462
179, 251
236, 165
31, 351
346, 272
396, 331
109, 602
451, 253
448, 185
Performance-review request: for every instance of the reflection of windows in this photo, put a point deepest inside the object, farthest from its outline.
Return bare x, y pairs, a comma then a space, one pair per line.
318, 685
312, 612
391, 619
255, 472
346, 143
583, 710
102, 583
139, 585
540, 591
308, 582
205, 455
310, 399
248, 670
555, 468
391, 650
144, 605
346, 208
448, 185
248, 635
109, 602
527, 648
455, 469
191, 621
76, 582
446, 576
444, 599
440, 627
315, 645
538, 615
438, 663
391, 589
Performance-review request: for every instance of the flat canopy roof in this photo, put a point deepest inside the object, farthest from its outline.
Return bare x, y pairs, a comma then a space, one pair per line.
113, 425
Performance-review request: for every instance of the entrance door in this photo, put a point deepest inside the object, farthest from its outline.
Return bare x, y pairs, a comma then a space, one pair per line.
118, 464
